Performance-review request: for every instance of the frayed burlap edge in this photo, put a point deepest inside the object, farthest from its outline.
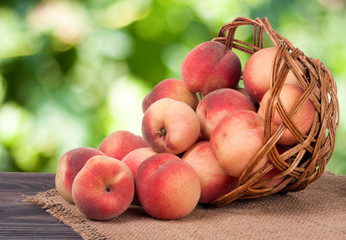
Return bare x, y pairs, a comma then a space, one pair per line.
56, 206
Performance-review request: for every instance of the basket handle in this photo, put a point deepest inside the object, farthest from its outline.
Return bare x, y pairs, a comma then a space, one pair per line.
226, 34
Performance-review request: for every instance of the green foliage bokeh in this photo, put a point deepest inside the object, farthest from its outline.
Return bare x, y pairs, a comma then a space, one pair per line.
71, 72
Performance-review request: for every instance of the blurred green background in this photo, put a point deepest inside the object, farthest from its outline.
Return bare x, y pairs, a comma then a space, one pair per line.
71, 72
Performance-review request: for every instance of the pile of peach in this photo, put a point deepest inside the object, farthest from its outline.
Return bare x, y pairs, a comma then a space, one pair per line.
199, 134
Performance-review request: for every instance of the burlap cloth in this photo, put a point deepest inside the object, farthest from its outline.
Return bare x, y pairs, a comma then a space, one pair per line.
318, 212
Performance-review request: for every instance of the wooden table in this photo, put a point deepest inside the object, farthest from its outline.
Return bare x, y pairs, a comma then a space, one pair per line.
24, 220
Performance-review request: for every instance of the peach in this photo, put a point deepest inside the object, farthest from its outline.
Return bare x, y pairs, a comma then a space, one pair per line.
167, 187
236, 141
171, 88
215, 182
217, 105
289, 96
68, 167
135, 158
257, 74
104, 188
170, 126
120, 143
210, 66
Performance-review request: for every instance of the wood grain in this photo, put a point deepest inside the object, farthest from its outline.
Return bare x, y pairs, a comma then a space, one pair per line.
25, 220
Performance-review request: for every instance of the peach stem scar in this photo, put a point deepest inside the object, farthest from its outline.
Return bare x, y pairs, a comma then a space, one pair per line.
161, 133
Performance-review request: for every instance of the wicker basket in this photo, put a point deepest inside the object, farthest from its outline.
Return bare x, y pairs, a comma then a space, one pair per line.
310, 156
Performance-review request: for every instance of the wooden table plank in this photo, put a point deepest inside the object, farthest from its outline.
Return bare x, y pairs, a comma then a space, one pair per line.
24, 220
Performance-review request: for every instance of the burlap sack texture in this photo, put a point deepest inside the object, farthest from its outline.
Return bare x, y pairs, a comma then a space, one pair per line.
318, 212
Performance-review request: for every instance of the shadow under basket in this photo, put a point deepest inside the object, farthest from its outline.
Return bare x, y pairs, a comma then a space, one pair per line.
307, 158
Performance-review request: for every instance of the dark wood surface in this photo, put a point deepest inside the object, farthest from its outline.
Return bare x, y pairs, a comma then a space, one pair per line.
25, 220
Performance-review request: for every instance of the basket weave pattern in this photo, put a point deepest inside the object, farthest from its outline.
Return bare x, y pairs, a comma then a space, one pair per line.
313, 151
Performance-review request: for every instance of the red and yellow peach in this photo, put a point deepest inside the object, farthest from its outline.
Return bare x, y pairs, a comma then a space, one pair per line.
257, 74
104, 188
135, 158
215, 182
170, 88
68, 167
210, 66
236, 141
120, 143
167, 187
170, 126
217, 105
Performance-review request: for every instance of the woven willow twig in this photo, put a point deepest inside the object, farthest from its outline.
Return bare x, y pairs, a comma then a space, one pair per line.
309, 157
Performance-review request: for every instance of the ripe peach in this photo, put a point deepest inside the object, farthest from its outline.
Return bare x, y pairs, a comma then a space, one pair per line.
217, 105
257, 74
135, 158
215, 182
68, 167
170, 126
171, 88
236, 141
120, 143
289, 95
167, 187
210, 66
104, 188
